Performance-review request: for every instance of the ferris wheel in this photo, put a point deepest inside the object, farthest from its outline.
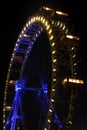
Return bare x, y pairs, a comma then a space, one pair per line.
42, 81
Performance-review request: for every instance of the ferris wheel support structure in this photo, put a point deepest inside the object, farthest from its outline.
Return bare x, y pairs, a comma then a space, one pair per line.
64, 80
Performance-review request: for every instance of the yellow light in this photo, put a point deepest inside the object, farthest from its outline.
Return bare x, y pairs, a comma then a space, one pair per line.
45, 128
74, 64
49, 120
76, 81
3, 121
8, 108
26, 36
46, 23
72, 48
66, 31
24, 28
65, 80
50, 110
52, 22
52, 100
32, 20
54, 79
11, 59
36, 35
48, 27
81, 81
4, 98
53, 44
36, 17
50, 31
61, 13
51, 37
73, 81
74, 56
26, 25
3, 116
53, 90
20, 35
63, 27
48, 9
43, 21
22, 31
5, 92
58, 23
16, 45
29, 23
54, 60
53, 52
3, 109
70, 122
18, 128
9, 70
72, 37
54, 70
41, 18
11, 81
18, 40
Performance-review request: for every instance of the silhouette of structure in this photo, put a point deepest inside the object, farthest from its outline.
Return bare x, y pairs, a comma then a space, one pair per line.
42, 84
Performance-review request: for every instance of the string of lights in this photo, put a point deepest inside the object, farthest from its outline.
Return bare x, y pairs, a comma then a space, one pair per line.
55, 24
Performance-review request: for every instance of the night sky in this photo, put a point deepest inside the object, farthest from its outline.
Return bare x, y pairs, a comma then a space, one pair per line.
14, 15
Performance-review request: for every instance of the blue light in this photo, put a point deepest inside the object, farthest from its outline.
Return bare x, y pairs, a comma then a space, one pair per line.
44, 87
56, 120
19, 85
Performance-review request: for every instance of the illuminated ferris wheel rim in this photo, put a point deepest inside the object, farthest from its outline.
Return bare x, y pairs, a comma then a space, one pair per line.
39, 20
42, 23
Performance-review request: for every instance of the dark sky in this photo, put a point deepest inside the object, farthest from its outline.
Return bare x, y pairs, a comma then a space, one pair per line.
13, 16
